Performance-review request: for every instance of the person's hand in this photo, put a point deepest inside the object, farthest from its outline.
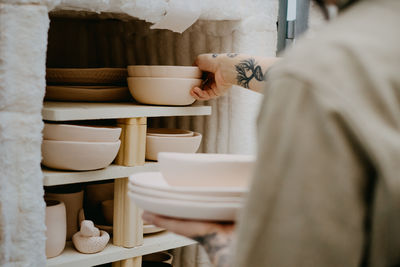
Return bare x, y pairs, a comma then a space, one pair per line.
225, 70
221, 75
216, 238
188, 228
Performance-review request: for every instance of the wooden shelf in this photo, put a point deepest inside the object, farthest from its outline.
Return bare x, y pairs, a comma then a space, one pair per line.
68, 111
54, 177
153, 243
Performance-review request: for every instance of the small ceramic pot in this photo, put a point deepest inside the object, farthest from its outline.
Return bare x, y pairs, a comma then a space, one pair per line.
159, 257
73, 203
56, 227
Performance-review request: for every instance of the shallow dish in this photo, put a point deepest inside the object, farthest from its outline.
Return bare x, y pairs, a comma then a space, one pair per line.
155, 181
67, 132
156, 144
86, 75
179, 196
166, 132
162, 91
79, 156
164, 71
202, 169
63, 93
197, 210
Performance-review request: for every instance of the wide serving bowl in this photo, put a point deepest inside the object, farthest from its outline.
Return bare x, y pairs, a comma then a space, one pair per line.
162, 91
206, 170
66, 132
167, 132
156, 144
164, 71
79, 156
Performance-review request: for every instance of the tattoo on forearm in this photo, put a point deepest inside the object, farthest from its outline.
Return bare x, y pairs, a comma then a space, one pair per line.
214, 55
247, 70
231, 55
217, 247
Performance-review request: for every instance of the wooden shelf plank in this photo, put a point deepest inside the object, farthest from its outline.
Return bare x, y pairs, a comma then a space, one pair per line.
54, 177
153, 243
67, 111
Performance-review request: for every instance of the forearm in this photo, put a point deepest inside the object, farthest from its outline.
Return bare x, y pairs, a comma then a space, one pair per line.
218, 247
247, 71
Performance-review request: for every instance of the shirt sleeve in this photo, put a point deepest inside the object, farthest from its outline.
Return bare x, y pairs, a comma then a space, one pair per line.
306, 205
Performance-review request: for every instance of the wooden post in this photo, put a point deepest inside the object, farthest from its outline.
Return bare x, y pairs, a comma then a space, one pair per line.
133, 142
128, 224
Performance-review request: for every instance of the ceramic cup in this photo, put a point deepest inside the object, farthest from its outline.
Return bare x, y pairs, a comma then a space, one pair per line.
73, 203
95, 194
56, 227
107, 208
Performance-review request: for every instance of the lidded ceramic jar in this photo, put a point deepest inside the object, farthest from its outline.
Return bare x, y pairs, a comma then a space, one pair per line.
56, 227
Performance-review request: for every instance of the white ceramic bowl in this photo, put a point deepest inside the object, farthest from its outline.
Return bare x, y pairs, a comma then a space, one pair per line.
164, 71
166, 132
162, 91
156, 144
206, 170
66, 132
79, 156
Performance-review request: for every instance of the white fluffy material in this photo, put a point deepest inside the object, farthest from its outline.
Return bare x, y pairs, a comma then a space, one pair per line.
23, 32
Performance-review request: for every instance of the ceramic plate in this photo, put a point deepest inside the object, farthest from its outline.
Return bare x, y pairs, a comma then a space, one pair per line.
179, 196
155, 180
195, 210
62, 93
166, 132
86, 76
151, 229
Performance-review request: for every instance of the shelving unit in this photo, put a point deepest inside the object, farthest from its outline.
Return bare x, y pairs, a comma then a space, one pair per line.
151, 244
67, 111
53, 177
128, 244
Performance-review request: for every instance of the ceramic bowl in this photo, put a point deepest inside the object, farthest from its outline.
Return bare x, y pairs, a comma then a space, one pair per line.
166, 132
66, 132
107, 208
164, 71
162, 91
79, 156
156, 144
206, 170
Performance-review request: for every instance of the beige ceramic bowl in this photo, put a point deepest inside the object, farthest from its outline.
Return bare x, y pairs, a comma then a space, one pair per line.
66, 132
79, 156
164, 71
206, 170
166, 132
156, 144
107, 208
162, 91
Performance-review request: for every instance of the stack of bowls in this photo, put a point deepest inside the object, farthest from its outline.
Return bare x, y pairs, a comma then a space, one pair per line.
80, 148
170, 140
163, 85
194, 186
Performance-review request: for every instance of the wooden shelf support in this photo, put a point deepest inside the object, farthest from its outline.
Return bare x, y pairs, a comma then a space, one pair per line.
133, 142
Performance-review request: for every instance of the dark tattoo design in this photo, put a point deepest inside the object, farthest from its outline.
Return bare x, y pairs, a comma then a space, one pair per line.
214, 55
217, 247
231, 54
247, 70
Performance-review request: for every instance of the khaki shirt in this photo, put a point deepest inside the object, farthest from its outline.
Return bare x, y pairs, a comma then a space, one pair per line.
326, 190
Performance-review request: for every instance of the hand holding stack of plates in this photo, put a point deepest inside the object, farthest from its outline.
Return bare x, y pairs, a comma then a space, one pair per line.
163, 85
194, 186
92, 85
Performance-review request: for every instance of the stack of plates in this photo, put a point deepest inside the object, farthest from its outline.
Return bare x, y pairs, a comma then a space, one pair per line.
151, 192
94, 85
